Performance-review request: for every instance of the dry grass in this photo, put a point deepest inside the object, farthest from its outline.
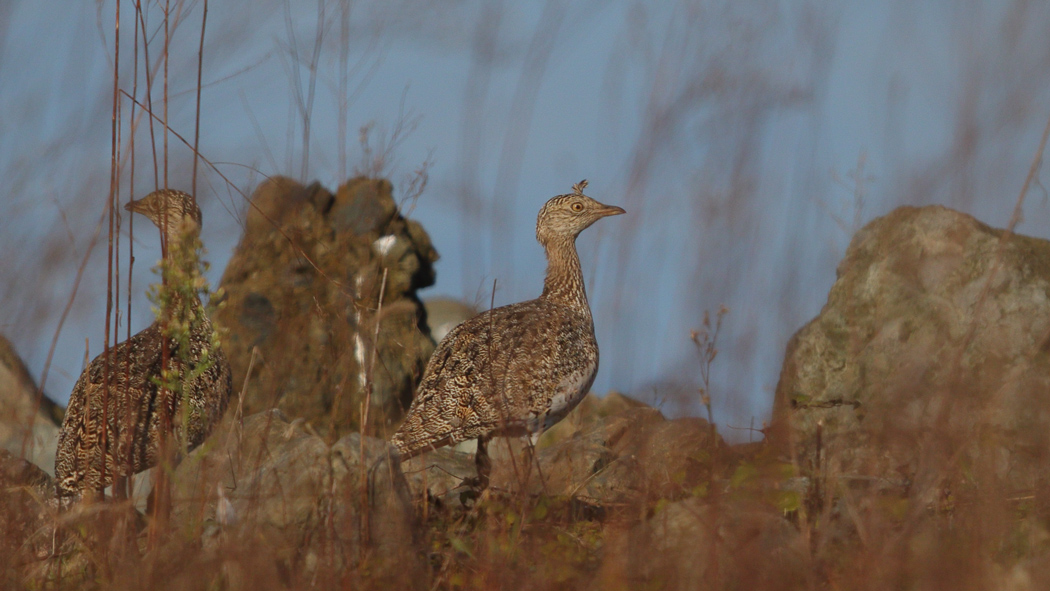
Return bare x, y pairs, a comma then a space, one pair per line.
744, 528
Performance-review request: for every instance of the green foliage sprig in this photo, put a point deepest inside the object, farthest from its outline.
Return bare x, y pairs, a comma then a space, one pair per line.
177, 306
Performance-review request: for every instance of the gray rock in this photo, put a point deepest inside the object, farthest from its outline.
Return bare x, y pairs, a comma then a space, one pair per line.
631, 455
439, 474
929, 366
651, 457
444, 314
16, 472
27, 428
25, 491
609, 451
303, 288
313, 503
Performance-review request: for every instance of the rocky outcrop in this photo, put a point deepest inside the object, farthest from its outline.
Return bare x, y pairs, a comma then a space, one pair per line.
608, 452
923, 380
928, 370
27, 428
263, 500
634, 500
302, 290
305, 503
24, 493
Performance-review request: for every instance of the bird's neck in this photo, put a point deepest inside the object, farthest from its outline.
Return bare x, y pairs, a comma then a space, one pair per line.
181, 259
564, 281
180, 240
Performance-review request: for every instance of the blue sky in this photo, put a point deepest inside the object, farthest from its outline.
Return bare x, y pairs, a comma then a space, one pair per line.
728, 130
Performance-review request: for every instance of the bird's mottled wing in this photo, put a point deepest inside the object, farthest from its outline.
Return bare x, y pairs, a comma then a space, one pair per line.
130, 401
497, 374
444, 407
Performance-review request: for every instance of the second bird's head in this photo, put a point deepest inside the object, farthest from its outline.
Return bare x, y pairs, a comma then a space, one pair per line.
565, 216
175, 209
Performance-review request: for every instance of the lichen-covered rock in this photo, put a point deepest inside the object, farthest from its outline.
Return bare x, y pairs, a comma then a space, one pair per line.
928, 370
303, 288
27, 428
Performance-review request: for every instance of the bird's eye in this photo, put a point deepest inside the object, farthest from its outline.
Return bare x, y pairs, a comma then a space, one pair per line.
577, 207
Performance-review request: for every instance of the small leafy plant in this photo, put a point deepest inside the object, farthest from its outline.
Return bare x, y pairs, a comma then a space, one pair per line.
177, 306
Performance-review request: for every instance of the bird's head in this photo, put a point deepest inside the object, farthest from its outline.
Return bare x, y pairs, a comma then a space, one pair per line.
565, 216
174, 212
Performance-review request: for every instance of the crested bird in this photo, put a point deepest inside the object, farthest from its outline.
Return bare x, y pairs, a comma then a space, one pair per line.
514, 370
118, 414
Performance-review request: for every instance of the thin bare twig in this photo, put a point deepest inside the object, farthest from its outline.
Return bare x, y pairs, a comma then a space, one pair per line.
149, 90
366, 405
197, 118
114, 174
230, 183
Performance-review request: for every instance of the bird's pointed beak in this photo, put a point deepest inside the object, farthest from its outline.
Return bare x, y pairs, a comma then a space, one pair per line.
611, 210
131, 205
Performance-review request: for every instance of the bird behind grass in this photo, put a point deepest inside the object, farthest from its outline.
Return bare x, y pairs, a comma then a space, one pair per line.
518, 369
170, 380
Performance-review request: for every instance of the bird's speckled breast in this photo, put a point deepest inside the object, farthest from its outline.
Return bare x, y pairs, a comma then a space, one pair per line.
569, 392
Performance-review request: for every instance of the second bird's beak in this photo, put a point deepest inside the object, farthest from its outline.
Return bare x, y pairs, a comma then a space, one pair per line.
607, 210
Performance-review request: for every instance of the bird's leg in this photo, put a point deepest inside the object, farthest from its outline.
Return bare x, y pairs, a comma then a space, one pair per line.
530, 459
483, 463
120, 487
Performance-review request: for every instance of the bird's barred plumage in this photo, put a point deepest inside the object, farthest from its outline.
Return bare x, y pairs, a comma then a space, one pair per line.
134, 406
516, 369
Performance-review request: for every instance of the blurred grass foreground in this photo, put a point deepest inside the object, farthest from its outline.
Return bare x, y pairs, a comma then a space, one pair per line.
908, 445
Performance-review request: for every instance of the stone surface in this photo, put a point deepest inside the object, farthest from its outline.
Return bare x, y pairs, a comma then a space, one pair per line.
25, 490
303, 288
18, 472
27, 429
279, 483
632, 454
928, 370
444, 314
262, 500
608, 451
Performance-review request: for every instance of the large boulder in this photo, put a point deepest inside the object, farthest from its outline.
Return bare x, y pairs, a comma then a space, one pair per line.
623, 451
263, 502
24, 492
608, 451
928, 370
309, 506
302, 290
28, 424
